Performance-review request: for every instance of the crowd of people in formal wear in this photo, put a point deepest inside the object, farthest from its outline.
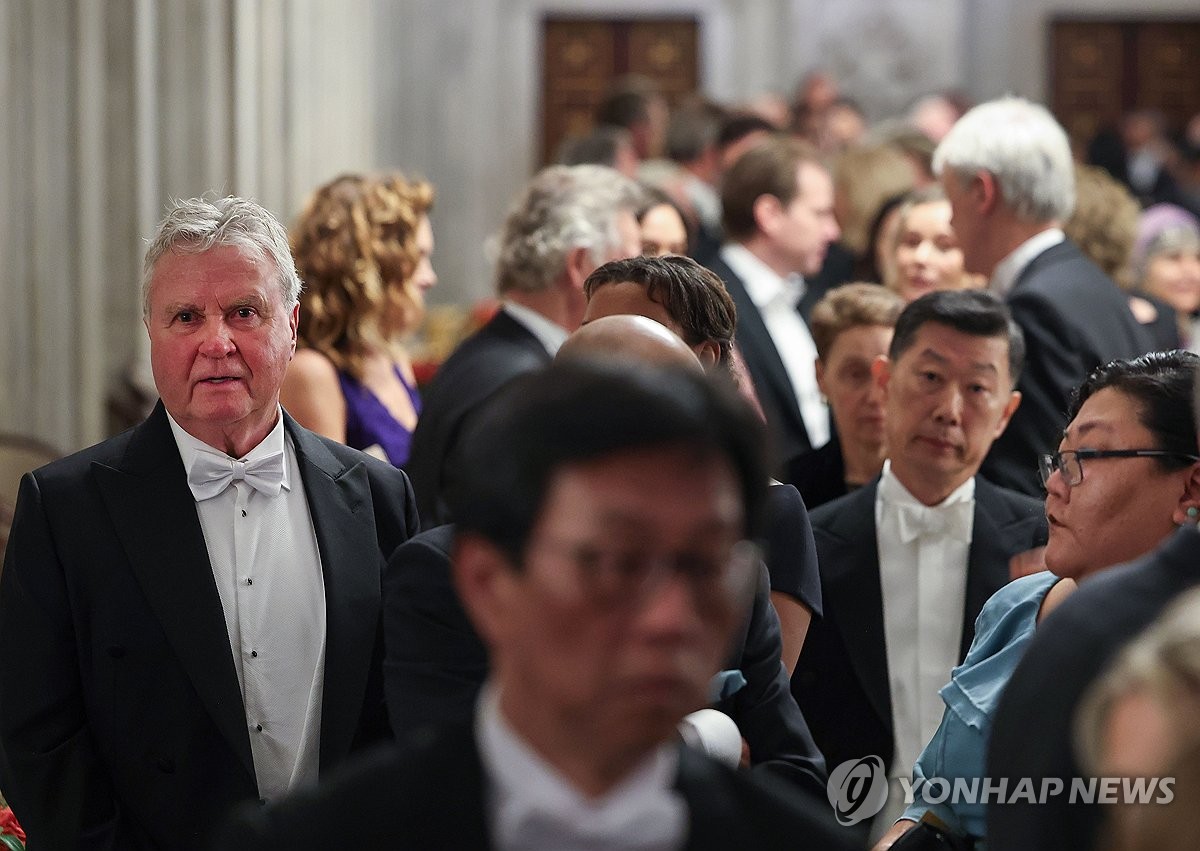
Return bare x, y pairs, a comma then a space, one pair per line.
805, 472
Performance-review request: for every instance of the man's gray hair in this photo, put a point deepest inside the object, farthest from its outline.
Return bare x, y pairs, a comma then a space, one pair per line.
562, 208
1024, 148
195, 225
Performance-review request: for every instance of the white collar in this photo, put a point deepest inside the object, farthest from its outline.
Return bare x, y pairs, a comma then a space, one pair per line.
274, 442
1005, 275
763, 284
893, 491
522, 786
549, 334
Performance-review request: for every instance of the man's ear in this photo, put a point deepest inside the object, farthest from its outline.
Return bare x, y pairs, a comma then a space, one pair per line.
820, 368
767, 210
579, 266
294, 324
984, 191
483, 577
1010, 408
708, 353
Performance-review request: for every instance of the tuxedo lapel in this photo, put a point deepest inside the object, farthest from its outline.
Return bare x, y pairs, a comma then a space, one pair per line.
758, 348
853, 594
154, 514
343, 518
994, 535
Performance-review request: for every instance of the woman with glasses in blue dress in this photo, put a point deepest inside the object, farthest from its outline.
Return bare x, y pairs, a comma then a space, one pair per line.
1126, 473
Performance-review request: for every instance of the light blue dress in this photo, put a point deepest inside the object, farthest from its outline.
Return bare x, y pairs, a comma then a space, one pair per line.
959, 747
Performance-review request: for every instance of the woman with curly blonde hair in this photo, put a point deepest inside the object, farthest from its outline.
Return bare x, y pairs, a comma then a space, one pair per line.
362, 247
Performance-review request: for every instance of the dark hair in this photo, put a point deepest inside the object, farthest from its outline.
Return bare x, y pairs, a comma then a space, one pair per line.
740, 125
768, 168
579, 410
1162, 386
868, 264
693, 129
692, 295
974, 312
628, 102
599, 147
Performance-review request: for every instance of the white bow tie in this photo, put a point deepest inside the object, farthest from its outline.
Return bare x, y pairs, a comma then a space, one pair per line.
953, 521
211, 473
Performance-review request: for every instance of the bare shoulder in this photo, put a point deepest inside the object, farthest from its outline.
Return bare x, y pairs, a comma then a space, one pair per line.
310, 367
312, 394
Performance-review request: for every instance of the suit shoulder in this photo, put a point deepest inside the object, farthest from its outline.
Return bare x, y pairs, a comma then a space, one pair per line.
1017, 505
827, 518
397, 795
437, 541
745, 809
71, 468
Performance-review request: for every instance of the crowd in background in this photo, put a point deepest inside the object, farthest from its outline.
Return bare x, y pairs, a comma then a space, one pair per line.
940, 369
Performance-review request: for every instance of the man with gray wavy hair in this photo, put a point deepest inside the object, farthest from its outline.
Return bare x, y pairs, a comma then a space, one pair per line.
190, 611
567, 221
1007, 169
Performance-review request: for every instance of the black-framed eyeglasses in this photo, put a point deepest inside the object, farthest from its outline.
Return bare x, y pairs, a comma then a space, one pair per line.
1069, 462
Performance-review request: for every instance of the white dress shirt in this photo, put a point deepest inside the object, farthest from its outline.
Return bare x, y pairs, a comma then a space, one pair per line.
1004, 276
531, 806
923, 578
776, 299
550, 334
263, 551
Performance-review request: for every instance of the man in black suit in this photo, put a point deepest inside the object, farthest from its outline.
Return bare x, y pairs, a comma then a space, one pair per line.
1007, 169
566, 222
908, 561
777, 208
693, 302
1033, 734
597, 554
189, 612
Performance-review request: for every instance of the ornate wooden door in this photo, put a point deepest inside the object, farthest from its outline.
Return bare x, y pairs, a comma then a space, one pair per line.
582, 57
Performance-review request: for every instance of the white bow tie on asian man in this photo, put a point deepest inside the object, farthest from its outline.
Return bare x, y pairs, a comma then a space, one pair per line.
953, 521
210, 473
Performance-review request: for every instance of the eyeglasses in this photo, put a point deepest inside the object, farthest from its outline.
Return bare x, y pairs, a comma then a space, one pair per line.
614, 578
1069, 462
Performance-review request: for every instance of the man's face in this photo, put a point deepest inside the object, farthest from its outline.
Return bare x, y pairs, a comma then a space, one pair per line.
949, 395
966, 222
619, 670
220, 342
801, 235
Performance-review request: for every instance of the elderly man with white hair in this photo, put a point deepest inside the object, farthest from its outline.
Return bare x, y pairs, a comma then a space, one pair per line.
566, 222
1006, 167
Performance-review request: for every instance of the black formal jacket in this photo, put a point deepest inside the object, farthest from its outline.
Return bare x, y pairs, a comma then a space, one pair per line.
429, 795
436, 662
1075, 319
789, 436
121, 718
1032, 734
482, 364
841, 680
819, 474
